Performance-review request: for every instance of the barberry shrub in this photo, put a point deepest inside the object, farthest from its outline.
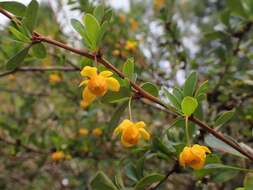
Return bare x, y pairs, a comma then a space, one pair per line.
156, 94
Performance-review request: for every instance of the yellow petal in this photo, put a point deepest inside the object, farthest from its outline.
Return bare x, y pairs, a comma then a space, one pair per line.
88, 97
125, 123
84, 82
198, 165
140, 124
206, 149
106, 73
124, 143
88, 71
144, 133
113, 84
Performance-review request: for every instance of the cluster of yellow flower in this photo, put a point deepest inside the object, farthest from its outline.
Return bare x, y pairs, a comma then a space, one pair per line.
97, 85
59, 155
97, 132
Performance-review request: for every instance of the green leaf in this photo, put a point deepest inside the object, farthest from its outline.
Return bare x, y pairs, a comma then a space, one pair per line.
225, 167
39, 50
146, 181
224, 16
216, 35
190, 84
224, 117
79, 27
93, 29
108, 15
130, 171
189, 105
150, 88
236, 7
102, 33
20, 36
99, 12
172, 99
224, 176
128, 68
178, 93
14, 7
202, 89
217, 144
102, 182
17, 59
248, 182
30, 18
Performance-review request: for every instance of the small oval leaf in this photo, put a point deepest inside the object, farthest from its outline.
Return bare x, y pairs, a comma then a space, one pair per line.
189, 105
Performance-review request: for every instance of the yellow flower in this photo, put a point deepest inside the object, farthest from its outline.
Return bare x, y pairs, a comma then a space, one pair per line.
131, 132
194, 156
83, 132
57, 156
134, 24
54, 78
97, 84
131, 45
159, 4
122, 18
97, 132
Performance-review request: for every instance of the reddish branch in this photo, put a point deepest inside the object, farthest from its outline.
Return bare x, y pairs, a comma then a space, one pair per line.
39, 38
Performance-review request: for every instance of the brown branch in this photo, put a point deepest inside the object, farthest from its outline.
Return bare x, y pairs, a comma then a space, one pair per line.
39, 38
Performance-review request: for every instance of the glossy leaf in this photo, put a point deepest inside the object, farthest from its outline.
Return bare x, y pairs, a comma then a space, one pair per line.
202, 89
173, 99
224, 117
189, 105
93, 29
217, 144
39, 50
17, 59
150, 88
190, 84
78, 26
13, 7
30, 18
128, 68
99, 12
236, 7
19, 35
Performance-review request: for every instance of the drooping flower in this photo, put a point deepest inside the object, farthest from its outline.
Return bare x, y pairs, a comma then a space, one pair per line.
194, 156
97, 132
122, 18
57, 156
131, 132
131, 45
54, 78
97, 84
